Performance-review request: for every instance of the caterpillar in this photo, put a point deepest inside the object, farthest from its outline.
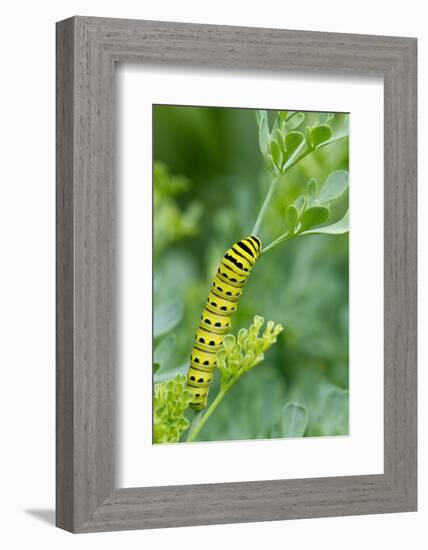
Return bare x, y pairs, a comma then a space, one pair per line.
227, 287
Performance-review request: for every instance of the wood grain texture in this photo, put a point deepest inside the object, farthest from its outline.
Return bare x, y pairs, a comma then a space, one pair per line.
87, 50
64, 277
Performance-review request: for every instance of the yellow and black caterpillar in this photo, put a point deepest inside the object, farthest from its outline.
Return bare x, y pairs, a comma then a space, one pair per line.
222, 302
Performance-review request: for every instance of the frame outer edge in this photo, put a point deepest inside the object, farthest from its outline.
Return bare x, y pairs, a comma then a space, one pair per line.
94, 272
65, 109
401, 215
87, 500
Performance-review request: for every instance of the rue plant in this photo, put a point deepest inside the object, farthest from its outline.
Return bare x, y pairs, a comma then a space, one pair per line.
170, 400
238, 355
283, 145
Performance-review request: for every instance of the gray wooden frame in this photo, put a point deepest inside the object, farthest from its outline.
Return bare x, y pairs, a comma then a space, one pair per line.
87, 50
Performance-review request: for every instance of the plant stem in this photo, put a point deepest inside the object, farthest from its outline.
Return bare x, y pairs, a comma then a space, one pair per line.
196, 419
265, 205
272, 188
279, 240
194, 433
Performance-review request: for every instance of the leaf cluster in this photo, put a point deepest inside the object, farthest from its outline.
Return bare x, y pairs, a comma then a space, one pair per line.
285, 143
171, 222
170, 400
312, 209
241, 353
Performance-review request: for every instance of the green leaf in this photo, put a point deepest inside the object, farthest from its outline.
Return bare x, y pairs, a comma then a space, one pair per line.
323, 118
320, 134
259, 116
339, 133
338, 228
282, 116
299, 203
316, 215
335, 416
275, 150
294, 420
295, 154
292, 217
166, 317
270, 165
229, 341
292, 142
264, 133
156, 367
294, 121
312, 187
334, 186
278, 137
164, 350
165, 374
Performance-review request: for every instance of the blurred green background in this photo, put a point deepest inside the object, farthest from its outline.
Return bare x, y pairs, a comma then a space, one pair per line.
209, 184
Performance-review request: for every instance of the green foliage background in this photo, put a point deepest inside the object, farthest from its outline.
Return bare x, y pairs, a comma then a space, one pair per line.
210, 183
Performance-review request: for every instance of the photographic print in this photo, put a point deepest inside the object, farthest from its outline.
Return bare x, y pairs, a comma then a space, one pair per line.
250, 274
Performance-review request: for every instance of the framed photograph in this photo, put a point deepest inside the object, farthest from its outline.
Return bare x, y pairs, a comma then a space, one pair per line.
236, 274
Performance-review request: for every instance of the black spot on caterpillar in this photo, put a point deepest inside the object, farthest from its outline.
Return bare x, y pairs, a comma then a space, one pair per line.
232, 274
